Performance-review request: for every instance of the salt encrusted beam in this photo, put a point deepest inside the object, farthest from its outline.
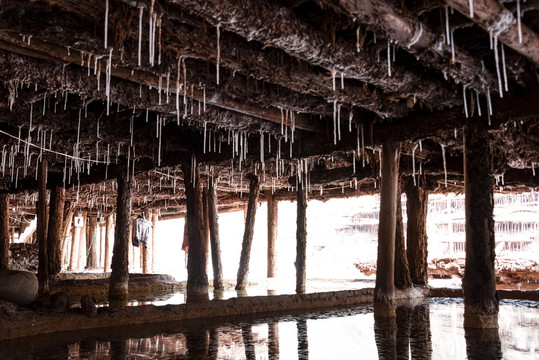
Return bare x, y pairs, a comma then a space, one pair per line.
501, 23
420, 40
277, 26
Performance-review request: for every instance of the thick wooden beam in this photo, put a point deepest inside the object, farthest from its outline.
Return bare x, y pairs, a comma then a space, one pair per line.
215, 242
419, 39
4, 231
197, 277
301, 239
243, 269
41, 209
417, 200
272, 24
273, 221
55, 229
494, 18
479, 284
384, 291
119, 277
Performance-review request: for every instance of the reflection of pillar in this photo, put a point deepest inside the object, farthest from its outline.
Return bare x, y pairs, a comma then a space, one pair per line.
119, 349
483, 343
403, 321
385, 335
243, 270
214, 344
248, 341
479, 284
301, 239
303, 338
273, 340
198, 344
273, 216
4, 231
384, 292
119, 278
420, 338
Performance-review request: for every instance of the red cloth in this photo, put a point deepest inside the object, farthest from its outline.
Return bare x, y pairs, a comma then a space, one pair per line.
185, 243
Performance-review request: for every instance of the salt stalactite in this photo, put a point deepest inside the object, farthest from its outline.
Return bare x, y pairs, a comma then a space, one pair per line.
470, 4
504, 69
447, 33
44, 103
519, 25
389, 58
363, 144
78, 140
293, 128
445, 164
342, 80
160, 82
140, 12
204, 97
106, 22
168, 86
333, 78
160, 121
262, 149
178, 93
533, 168
464, 98
497, 61
286, 126
453, 46
413, 164
350, 117
334, 122
159, 41
478, 104
204, 141
489, 103
339, 122
107, 88
218, 52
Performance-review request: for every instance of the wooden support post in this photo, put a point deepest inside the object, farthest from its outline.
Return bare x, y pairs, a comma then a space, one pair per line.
417, 201
243, 270
384, 291
155, 221
214, 238
4, 231
82, 244
206, 225
401, 271
301, 239
92, 243
75, 241
109, 236
119, 278
55, 227
66, 229
43, 268
273, 216
197, 277
479, 284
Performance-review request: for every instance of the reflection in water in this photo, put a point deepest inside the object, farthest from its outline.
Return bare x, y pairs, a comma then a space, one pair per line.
430, 330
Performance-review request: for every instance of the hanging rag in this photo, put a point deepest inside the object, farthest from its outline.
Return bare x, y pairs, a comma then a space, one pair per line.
142, 231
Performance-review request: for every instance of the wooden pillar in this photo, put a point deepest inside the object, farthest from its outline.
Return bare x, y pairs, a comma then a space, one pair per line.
206, 225
273, 216
92, 243
197, 277
82, 243
401, 271
119, 278
55, 227
155, 220
4, 231
214, 238
43, 268
145, 257
243, 270
301, 239
75, 241
479, 284
384, 291
417, 201
109, 236
66, 229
